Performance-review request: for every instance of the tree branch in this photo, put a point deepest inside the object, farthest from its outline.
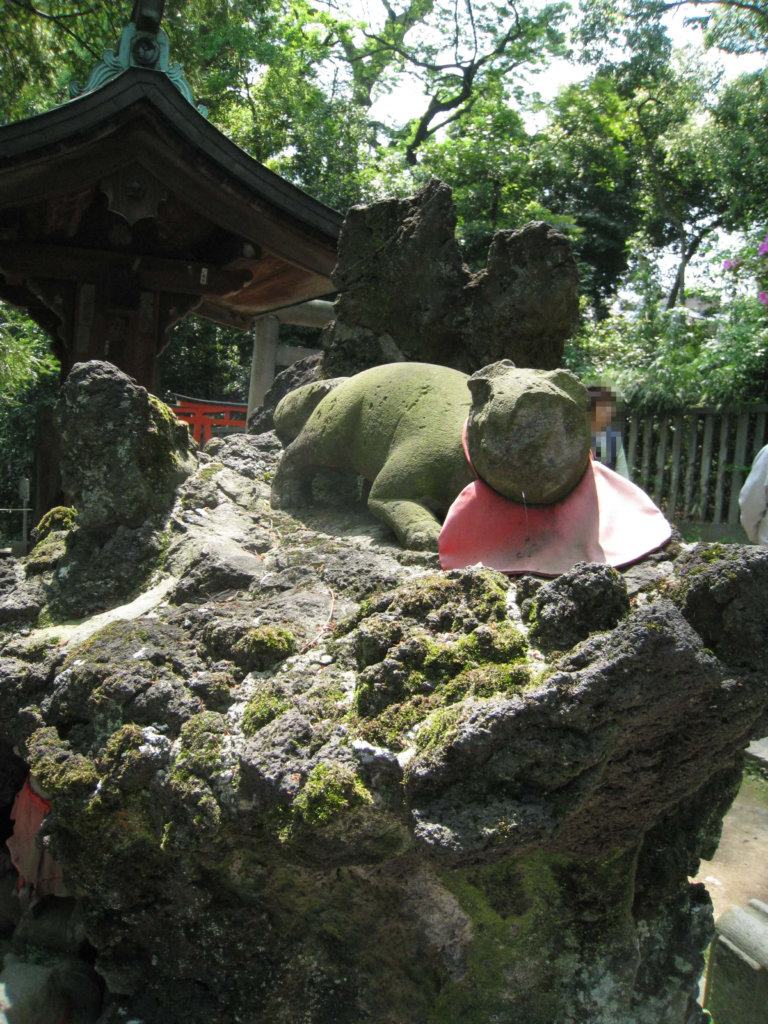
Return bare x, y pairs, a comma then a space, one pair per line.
741, 5
687, 254
59, 20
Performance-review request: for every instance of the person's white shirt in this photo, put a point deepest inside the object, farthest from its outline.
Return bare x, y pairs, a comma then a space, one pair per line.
753, 500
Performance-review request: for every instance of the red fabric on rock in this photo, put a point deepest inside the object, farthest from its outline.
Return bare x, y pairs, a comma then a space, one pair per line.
36, 867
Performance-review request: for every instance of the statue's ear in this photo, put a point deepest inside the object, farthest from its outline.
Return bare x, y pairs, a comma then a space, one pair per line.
480, 389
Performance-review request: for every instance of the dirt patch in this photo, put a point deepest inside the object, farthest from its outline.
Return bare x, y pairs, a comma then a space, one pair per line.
739, 870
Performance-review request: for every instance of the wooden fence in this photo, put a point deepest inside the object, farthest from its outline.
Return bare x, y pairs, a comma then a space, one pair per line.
694, 461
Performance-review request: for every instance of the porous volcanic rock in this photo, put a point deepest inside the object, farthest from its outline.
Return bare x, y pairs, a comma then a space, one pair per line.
525, 303
351, 787
405, 293
586, 599
400, 273
303, 371
123, 453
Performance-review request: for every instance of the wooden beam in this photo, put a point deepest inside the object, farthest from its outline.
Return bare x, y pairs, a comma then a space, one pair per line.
152, 273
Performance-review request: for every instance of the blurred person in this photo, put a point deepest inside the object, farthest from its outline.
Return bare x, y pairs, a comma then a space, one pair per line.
607, 444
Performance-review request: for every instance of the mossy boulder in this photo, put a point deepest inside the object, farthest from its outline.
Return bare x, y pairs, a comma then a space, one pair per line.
60, 519
414, 816
586, 599
123, 452
50, 540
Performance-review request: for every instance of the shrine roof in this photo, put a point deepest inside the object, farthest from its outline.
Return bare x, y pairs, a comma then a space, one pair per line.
66, 169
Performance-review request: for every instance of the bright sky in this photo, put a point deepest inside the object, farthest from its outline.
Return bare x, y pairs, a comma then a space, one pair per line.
407, 101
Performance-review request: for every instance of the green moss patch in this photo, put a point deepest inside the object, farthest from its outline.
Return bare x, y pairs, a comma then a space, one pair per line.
483, 591
529, 928
50, 536
252, 649
330, 790
60, 519
261, 648
423, 672
202, 738
59, 771
265, 705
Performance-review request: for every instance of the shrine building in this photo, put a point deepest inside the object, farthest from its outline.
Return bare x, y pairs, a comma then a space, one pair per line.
125, 209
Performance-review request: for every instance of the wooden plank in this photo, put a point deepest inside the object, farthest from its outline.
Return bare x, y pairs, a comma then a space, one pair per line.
632, 444
690, 468
738, 471
677, 448
151, 273
645, 469
706, 465
722, 461
661, 457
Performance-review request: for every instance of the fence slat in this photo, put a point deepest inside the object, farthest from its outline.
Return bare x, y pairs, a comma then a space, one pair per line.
661, 458
674, 480
645, 469
706, 464
759, 438
722, 460
632, 445
680, 456
690, 469
737, 473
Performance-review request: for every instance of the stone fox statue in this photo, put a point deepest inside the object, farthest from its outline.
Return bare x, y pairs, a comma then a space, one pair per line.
400, 427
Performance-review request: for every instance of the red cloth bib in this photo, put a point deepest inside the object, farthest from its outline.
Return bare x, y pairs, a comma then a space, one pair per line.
604, 519
35, 866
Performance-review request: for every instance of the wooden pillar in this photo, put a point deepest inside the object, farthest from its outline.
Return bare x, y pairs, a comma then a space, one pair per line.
265, 338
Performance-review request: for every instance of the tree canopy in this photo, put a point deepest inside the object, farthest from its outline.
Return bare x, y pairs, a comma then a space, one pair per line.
644, 147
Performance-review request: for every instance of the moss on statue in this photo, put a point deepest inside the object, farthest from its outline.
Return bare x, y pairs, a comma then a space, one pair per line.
400, 427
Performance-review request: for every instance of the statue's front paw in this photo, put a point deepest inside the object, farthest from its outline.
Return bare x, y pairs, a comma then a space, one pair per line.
421, 540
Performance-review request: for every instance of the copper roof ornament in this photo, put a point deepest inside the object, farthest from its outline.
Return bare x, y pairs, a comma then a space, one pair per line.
143, 44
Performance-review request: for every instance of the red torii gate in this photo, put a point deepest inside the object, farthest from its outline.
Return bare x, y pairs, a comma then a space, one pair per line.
203, 416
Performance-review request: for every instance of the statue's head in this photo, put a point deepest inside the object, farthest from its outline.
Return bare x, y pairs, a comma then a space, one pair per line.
528, 431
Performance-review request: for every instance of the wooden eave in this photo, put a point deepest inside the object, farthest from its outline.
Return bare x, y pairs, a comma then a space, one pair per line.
285, 241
